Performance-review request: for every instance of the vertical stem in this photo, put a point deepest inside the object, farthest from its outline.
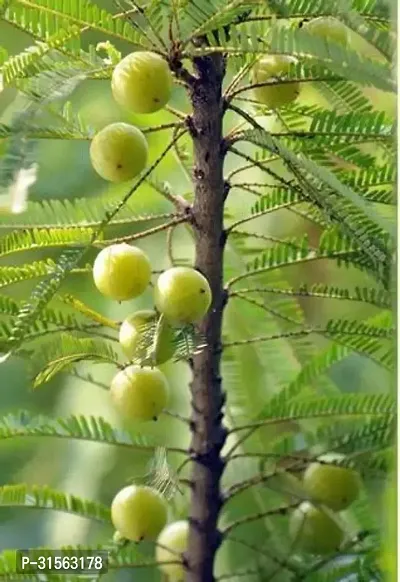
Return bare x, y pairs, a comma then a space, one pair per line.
208, 432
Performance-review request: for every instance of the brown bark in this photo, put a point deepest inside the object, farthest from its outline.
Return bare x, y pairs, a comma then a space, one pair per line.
208, 433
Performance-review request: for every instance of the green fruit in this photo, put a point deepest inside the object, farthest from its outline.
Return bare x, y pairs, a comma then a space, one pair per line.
173, 537
139, 393
132, 337
139, 513
336, 487
314, 531
329, 28
183, 295
121, 272
119, 152
142, 82
273, 68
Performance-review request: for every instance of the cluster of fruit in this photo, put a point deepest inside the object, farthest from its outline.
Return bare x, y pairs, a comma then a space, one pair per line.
140, 391
182, 296
142, 83
141, 513
312, 529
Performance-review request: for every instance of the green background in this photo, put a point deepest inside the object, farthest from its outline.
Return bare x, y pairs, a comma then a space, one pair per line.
95, 471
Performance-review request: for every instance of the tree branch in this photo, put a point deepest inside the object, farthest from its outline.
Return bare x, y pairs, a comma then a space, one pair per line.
208, 433
282, 510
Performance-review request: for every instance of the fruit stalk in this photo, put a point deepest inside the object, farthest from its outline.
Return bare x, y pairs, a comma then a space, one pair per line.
208, 432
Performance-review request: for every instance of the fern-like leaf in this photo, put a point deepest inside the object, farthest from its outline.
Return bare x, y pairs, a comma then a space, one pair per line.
39, 497
69, 350
81, 428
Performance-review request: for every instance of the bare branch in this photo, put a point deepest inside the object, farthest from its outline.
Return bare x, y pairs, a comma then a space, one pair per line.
282, 511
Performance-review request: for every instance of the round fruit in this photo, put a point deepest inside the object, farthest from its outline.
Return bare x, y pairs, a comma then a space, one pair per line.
139, 512
329, 28
334, 486
139, 393
121, 272
132, 337
273, 68
183, 295
314, 531
118, 152
142, 82
174, 537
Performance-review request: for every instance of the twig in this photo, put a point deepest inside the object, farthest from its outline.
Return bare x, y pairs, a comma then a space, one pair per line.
282, 510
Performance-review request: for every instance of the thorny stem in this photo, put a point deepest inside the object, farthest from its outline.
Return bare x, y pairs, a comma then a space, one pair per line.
208, 432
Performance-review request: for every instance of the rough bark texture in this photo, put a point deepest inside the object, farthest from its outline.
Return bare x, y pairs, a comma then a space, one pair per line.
208, 433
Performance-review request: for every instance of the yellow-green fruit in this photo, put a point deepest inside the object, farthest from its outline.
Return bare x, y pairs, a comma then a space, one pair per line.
174, 537
183, 295
273, 68
314, 531
139, 393
118, 152
121, 272
132, 337
329, 28
139, 513
334, 486
142, 82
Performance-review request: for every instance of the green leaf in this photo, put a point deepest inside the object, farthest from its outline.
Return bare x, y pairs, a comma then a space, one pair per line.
81, 214
371, 295
333, 406
31, 61
346, 63
82, 428
44, 18
10, 275
42, 497
59, 356
40, 297
339, 202
37, 238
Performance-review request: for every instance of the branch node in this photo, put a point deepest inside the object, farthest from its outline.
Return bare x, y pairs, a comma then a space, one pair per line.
225, 293
198, 173
225, 145
223, 237
191, 127
227, 188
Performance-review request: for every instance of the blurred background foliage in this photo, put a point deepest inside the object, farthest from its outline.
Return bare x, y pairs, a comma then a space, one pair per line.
95, 471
